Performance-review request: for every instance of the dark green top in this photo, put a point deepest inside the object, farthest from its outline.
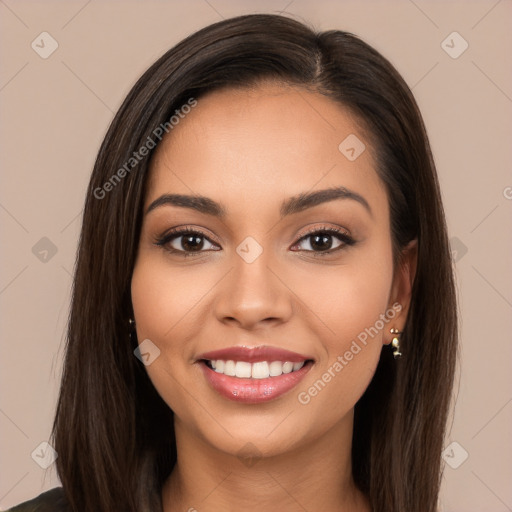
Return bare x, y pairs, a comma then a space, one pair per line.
53, 500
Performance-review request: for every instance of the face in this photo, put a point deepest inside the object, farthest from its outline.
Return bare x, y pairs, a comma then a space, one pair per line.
266, 269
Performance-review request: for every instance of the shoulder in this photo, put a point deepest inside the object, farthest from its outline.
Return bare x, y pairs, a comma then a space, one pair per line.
53, 500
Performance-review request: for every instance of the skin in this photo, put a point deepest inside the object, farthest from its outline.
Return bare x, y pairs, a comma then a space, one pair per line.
251, 149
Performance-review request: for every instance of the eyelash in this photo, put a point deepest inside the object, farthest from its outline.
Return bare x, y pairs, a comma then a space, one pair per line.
336, 232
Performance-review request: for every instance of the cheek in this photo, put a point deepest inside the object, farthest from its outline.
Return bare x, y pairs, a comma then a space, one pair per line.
162, 303
169, 308
363, 300
164, 300
153, 300
353, 310
349, 299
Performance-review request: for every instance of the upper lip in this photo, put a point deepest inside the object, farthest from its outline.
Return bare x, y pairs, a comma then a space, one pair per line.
254, 355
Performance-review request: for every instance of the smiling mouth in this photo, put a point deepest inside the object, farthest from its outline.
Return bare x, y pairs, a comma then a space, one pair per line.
256, 370
253, 375
253, 383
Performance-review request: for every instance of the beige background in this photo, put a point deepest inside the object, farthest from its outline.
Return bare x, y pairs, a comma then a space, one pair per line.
55, 112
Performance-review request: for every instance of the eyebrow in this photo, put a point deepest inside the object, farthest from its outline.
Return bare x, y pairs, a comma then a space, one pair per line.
290, 206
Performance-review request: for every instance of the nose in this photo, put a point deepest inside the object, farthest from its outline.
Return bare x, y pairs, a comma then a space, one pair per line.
254, 295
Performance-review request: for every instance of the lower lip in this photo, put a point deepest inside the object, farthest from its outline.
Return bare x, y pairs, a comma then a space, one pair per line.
253, 391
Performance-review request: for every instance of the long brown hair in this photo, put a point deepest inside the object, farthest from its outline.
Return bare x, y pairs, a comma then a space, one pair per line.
113, 433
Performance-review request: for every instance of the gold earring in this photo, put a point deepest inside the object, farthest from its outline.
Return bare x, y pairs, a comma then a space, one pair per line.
395, 342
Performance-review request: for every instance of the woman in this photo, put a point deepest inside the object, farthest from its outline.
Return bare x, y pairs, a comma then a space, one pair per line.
263, 312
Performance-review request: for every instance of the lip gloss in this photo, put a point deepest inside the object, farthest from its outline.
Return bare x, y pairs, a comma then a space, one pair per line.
253, 391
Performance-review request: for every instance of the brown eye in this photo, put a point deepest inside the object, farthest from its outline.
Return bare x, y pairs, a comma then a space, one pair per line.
185, 241
325, 240
190, 242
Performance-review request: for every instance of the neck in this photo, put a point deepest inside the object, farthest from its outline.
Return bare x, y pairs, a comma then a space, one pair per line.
316, 476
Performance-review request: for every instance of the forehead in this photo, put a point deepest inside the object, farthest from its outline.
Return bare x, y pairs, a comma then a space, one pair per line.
263, 143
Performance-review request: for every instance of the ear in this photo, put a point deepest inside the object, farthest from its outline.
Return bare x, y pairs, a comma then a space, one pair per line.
403, 280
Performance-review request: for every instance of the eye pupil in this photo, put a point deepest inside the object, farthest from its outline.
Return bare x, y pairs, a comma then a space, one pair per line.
321, 240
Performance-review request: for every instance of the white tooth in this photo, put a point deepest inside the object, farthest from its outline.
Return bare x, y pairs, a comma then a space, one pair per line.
275, 368
287, 367
260, 370
243, 369
229, 368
